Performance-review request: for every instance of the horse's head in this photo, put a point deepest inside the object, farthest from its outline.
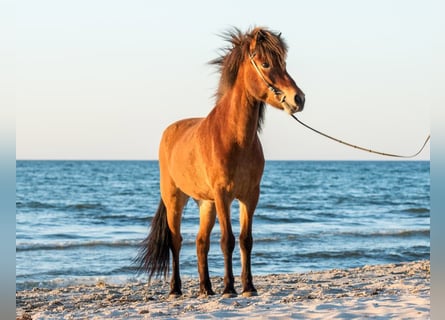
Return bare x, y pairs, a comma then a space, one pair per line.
265, 72
258, 58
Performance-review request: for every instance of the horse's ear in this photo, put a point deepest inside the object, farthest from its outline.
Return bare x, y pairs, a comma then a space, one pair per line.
279, 35
260, 36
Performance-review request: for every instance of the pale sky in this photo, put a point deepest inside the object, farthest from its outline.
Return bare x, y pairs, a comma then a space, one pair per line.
102, 79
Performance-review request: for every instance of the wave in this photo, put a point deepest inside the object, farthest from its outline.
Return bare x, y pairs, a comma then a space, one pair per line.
273, 238
316, 255
65, 281
65, 236
85, 206
35, 205
394, 254
284, 237
277, 218
95, 213
383, 234
339, 254
417, 210
75, 245
121, 219
70, 207
276, 206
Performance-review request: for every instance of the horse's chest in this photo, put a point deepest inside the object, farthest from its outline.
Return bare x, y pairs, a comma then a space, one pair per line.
238, 177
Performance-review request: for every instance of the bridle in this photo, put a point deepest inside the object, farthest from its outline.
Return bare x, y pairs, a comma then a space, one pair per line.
270, 86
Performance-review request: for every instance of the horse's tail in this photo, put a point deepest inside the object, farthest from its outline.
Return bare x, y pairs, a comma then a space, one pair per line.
154, 255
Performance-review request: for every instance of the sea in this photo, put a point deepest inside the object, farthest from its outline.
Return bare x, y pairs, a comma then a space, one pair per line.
80, 222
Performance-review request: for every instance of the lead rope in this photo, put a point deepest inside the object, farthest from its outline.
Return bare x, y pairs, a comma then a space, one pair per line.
361, 148
277, 92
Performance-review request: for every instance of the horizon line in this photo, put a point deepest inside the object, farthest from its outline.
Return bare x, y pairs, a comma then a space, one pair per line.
93, 159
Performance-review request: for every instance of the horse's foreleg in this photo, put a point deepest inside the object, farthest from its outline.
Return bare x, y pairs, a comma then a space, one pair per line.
247, 208
227, 243
207, 215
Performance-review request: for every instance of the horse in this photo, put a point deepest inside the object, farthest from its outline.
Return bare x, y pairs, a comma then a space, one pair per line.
219, 158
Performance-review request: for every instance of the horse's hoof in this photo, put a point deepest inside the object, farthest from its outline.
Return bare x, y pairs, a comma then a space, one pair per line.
174, 296
248, 294
205, 294
229, 295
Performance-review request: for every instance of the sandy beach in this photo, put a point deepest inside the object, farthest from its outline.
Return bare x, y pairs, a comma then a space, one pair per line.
382, 291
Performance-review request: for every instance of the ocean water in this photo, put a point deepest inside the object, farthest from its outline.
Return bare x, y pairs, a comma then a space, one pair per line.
82, 221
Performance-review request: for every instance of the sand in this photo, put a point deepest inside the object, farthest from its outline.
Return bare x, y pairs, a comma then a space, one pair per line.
382, 291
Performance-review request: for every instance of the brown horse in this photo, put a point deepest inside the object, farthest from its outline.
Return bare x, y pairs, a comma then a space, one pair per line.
219, 158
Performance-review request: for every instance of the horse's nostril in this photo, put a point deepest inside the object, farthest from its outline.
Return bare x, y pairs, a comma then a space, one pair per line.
299, 100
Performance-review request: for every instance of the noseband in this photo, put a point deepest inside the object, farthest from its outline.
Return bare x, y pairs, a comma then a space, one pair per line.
271, 87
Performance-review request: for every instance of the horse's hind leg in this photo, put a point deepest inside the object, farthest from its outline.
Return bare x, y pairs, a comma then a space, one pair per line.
247, 208
175, 200
207, 215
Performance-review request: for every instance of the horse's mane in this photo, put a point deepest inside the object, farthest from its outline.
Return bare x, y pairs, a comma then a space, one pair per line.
270, 47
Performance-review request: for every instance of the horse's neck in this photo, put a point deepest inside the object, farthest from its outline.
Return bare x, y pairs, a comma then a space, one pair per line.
238, 117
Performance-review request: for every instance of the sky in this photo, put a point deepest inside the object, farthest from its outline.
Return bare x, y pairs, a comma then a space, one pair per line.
102, 79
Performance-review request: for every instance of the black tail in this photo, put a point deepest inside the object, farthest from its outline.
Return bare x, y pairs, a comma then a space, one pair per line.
154, 255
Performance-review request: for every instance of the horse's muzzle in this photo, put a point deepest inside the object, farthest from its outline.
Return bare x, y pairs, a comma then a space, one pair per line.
299, 101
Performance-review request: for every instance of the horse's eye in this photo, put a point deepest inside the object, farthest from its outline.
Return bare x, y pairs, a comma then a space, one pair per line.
265, 65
